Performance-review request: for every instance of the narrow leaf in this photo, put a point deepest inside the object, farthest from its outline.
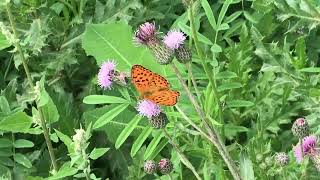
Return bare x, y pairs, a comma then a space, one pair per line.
23, 160
311, 70
108, 116
127, 131
103, 99
23, 143
209, 13
140, 140
227, 86
153, 144
239, 103
98, 152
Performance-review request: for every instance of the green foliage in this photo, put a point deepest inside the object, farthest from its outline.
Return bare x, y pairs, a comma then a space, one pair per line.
262, 55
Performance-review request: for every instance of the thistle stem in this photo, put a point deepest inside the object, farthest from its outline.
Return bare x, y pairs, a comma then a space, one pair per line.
184, 159
193, 80
214, 137
26, 69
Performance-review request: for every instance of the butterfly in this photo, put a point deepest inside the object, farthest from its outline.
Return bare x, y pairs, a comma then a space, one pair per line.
153, 87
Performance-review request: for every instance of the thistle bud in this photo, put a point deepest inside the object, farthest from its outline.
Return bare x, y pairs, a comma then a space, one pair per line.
165, 166
281, 158
79, 140
163, 54
149, 167
183, 54
300, 128
159, 121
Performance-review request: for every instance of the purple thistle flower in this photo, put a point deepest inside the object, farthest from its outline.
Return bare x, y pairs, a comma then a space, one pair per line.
145, 34
148, 108
105, 74
309, 148
174, 39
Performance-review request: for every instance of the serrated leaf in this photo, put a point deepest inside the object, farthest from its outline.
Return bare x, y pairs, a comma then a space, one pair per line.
153, 144
4, 105
246, 168
228, 86
140, 140
98, 152
239, 103
4, 43
17, 122
108, 116
103, 99
23, 143
23, 160
127, 131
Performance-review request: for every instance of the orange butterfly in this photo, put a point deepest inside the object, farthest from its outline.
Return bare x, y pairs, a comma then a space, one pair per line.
152, 86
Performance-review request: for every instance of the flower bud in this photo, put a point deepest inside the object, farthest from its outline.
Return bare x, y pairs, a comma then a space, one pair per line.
163, 54
281, 158
183, 54
159, 121
263, 166
259, 157
149, 167
268, 161
79, 140
300, 128
165, 166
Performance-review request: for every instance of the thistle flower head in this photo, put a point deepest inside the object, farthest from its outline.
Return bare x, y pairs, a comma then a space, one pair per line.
145, 34
309, 147
159, 121
105, 74
148, 108
174, 39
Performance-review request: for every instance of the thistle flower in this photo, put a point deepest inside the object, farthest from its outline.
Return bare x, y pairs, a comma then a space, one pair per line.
174, 39
159, 121
281, 158
105, 74
309, 147
149, 167
165, 166
148, 108
145, 34
300, 128
79, 140
183, 55
162, 53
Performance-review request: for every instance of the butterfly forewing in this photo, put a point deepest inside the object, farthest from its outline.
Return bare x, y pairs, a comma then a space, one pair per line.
152, 86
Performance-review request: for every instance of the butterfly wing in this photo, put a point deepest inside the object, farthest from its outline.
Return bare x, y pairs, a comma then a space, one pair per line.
146, 81
165, 97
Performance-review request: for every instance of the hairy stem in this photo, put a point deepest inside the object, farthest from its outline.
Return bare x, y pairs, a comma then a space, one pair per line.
193, 80
184, 159
26, 69
214, 137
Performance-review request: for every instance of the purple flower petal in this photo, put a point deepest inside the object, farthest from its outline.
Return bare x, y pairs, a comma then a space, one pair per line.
174, 39
148, 108
105, 74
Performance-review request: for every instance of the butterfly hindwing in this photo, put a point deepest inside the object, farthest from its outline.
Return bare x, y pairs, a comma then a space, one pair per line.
165, 97
141, 78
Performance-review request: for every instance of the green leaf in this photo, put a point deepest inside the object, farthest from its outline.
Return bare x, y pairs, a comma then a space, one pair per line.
159, 148
103, 99
114, 41
4, 105
246, 168
186, 29
209, 13
239, 103
227, 86
127, 131
311, 70
153, 144
108, 116
64, 171
140, 140
23, 160
4, 142
226, 75
98, 152
300, 51
23, 143
223, 11
44, 96
50, 112
17, 122
4, 43
65, 139
232, 17
216, 48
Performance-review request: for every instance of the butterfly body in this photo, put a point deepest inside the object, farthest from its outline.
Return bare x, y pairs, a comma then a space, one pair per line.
152, 86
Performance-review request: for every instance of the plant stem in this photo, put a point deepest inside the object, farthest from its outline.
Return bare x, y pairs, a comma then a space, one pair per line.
193, 80
184, 159
86, 171
26, 69
214, 137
